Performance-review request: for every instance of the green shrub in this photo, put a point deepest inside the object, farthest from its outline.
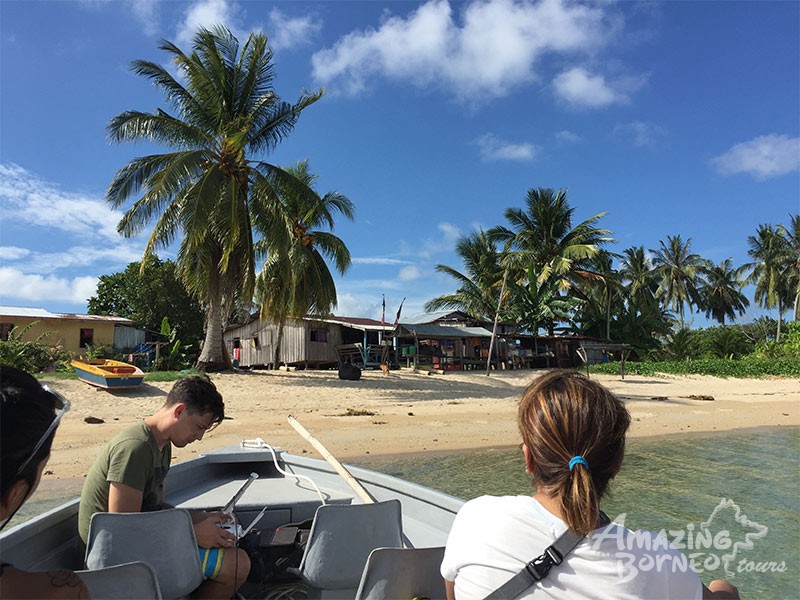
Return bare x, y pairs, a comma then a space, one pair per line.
726, 341
788, 347
681, 344
32, 356
718, 367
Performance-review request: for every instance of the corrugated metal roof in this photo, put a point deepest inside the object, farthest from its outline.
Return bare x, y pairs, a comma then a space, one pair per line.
104, 318
357, 322
22, 311
431, 317
40, 313
433, 330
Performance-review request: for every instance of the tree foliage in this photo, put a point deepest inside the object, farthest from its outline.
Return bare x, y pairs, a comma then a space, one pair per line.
479, 284
146, 293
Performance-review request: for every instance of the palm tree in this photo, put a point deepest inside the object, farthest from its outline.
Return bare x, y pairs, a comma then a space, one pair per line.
542, 236
207, 190
534, 305
770, 270
792, 235
721, 294
295, 280
604, 278
479, 285
679, 272
637, 270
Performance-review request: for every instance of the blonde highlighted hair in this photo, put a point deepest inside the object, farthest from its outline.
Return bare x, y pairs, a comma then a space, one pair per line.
563, 415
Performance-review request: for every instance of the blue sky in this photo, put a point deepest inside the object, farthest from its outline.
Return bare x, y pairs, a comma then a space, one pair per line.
674, 118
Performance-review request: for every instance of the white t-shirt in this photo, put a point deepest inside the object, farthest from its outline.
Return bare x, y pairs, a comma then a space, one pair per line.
493, 538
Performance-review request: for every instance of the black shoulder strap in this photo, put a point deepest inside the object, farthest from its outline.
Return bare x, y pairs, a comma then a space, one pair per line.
539, 567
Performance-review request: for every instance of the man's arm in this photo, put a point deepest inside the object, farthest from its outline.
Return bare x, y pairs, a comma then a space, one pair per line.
124, 498
450, 589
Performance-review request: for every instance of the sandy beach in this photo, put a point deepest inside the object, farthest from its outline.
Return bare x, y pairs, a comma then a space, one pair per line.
405, 412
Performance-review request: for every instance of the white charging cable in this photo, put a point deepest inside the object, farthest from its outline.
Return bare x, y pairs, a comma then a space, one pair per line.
260, 443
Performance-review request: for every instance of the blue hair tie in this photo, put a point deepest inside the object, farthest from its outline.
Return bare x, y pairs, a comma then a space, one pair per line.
578, 460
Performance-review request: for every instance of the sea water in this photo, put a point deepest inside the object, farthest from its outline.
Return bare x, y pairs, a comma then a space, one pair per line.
730, 501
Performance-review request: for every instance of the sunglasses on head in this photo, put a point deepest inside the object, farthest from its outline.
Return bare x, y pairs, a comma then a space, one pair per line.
61, 406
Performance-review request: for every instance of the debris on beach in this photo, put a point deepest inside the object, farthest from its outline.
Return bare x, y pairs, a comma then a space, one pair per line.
93, 420
703, 397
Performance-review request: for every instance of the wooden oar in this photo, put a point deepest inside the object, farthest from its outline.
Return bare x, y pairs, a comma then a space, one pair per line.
346, 475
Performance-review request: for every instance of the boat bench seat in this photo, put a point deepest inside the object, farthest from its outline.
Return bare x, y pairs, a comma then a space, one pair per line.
122, 370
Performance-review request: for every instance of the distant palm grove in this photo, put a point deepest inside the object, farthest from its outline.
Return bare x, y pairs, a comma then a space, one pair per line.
541, 270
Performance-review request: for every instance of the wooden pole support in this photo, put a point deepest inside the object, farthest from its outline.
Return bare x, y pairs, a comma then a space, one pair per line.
346, 475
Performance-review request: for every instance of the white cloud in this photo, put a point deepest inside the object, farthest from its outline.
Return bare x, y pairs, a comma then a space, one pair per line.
493, 148
582, 89
83, 256
409, 273
13, 252
764, 157
146, 12
489, 48
450, 232
28, 199
379, 261
35, 288
567, 137
208, 13
640, 133
428, 247
285, 32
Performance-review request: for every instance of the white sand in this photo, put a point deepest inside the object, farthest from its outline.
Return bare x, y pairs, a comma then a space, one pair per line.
412, 412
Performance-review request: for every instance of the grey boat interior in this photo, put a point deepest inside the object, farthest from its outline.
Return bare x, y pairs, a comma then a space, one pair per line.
289, 489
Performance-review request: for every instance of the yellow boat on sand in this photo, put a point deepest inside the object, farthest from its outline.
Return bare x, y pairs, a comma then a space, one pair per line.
108, 374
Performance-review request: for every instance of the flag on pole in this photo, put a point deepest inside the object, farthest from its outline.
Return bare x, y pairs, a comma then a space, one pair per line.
383, 311
397, 318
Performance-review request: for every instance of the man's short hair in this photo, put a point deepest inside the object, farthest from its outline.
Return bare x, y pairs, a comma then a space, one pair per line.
199, 395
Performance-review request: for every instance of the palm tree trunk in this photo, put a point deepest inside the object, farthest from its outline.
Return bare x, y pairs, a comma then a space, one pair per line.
278, 341
780, 319
211, 358
608, 317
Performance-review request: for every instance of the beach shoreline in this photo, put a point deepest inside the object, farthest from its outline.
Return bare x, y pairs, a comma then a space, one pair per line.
406, 413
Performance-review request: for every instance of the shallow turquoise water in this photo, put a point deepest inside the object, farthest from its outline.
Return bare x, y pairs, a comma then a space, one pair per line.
673, 484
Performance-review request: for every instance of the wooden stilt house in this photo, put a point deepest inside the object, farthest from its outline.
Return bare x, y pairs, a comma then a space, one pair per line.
309, 342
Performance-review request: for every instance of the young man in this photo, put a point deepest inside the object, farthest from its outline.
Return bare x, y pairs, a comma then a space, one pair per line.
129, 473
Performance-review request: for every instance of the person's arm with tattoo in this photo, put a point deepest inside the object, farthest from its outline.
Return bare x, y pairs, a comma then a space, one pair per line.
43, 584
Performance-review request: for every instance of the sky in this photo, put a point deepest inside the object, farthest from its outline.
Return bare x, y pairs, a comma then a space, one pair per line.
673, 118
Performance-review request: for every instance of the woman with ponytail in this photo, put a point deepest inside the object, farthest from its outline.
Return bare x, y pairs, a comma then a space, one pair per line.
573, 442
29, 416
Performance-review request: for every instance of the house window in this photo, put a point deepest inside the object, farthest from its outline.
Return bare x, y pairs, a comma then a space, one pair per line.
87, 338
319, 335
255, 341
5, 328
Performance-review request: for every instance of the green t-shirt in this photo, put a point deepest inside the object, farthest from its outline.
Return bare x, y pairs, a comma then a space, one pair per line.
132, 458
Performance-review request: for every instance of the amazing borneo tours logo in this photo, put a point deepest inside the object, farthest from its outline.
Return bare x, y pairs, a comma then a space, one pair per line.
719, 541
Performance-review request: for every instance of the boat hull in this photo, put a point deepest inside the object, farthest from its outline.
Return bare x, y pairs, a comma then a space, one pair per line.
108, 374
50, 540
